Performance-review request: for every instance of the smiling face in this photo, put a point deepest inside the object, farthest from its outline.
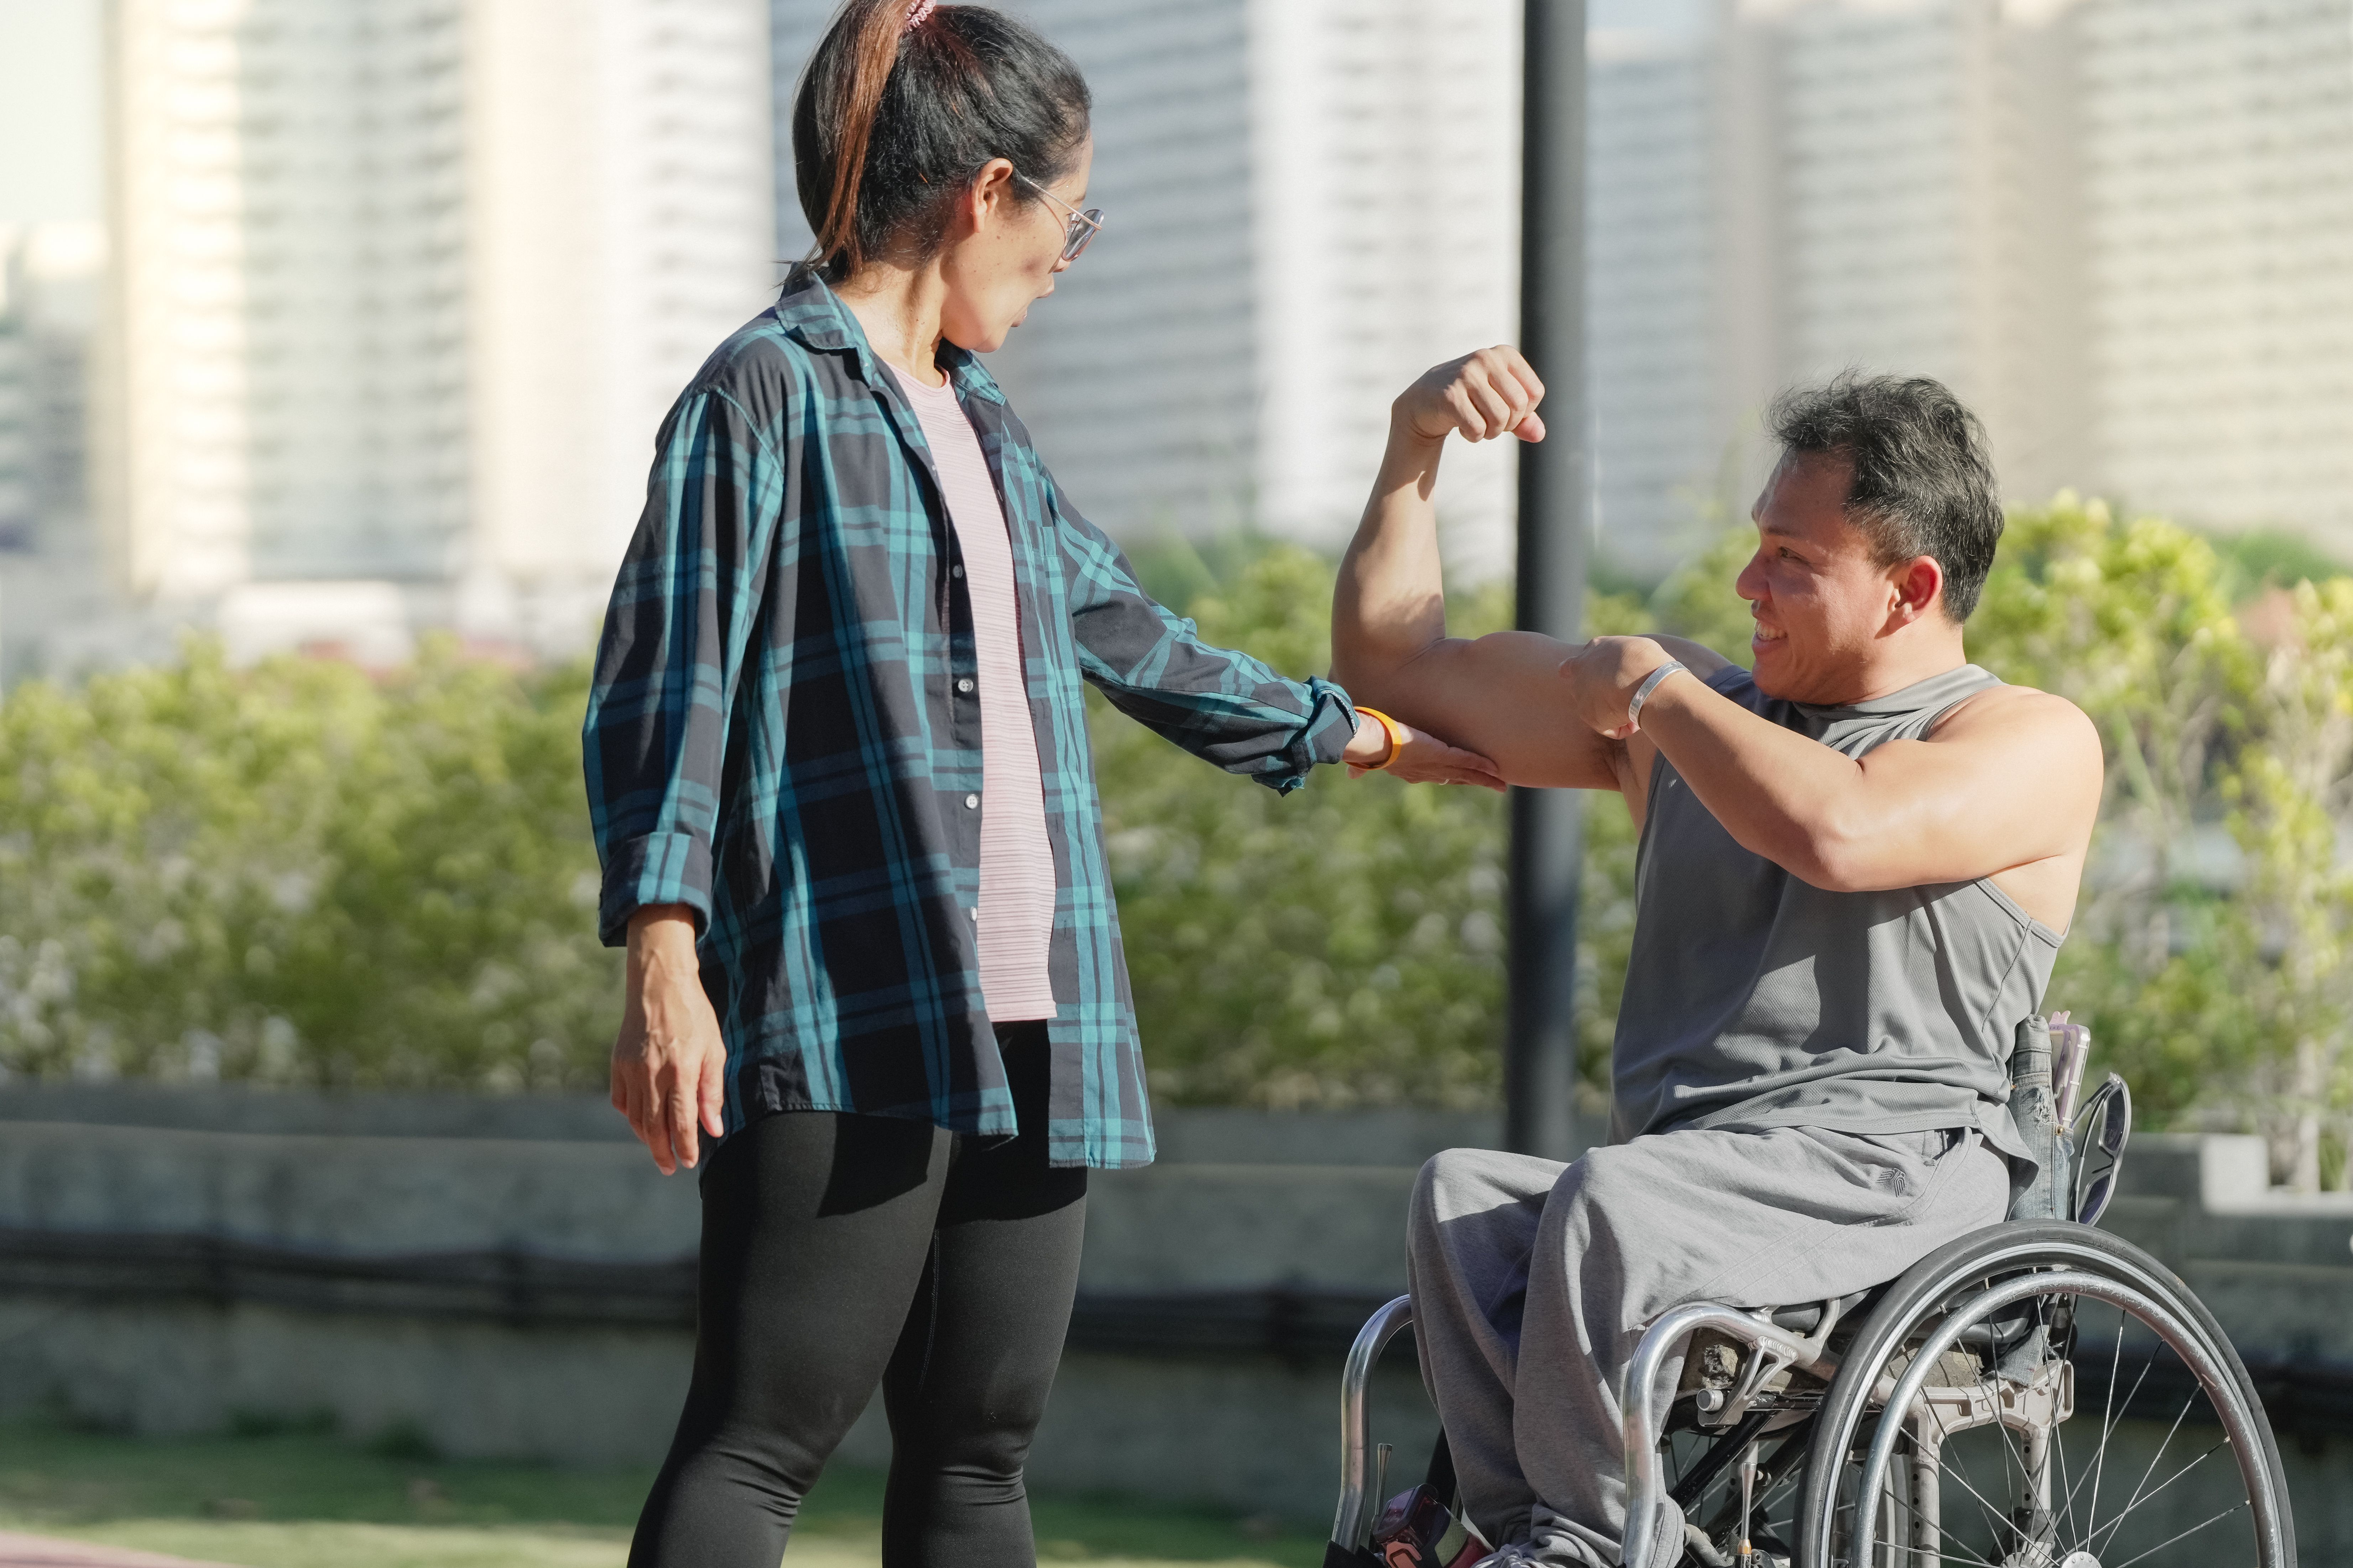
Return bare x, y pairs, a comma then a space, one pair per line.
1824, 605
1006, 251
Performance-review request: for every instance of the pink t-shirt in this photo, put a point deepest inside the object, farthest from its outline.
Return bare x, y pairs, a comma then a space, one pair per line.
1016, 861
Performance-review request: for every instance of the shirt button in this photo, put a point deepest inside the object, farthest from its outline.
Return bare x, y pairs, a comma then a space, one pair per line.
964, 685
972, 802
955, 571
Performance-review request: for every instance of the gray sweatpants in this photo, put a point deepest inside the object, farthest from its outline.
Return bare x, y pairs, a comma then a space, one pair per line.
1533, 1282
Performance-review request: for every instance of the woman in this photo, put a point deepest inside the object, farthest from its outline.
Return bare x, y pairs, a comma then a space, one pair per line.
837, 764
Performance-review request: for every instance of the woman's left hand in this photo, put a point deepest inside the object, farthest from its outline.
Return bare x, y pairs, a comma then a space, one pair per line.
1419, 757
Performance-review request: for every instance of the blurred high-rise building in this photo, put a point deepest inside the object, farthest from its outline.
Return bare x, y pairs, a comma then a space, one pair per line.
1309, 202
52, 582
50, 278
2117, 228
2218, 172
402, 291
1681, 292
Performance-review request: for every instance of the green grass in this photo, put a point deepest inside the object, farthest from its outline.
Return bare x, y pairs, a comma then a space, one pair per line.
306, 1499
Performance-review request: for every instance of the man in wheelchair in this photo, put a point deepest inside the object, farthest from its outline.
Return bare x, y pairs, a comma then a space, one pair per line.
1856, 862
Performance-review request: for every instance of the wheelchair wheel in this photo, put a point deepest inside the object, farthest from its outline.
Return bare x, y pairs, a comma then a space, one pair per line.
2041, 1396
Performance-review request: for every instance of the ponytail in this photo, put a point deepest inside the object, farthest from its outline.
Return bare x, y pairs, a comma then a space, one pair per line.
869, 31
901, 104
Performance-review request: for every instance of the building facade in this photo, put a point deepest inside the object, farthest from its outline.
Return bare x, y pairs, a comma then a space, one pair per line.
2217, 170
399, 292
402, 291
53, 590
1309, 202
2118, 228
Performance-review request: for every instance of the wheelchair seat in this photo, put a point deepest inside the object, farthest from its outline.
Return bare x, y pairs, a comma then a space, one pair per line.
1807, 1316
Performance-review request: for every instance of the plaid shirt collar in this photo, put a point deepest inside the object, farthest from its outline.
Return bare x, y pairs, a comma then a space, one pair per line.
814, 316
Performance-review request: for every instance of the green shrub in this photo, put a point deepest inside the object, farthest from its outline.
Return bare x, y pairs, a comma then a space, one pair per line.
302, 873
298, 873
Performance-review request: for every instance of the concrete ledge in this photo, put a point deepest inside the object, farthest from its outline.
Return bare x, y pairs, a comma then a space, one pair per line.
1187, 1134
348, 1195
1226, 1227
525, 1291
297, 1113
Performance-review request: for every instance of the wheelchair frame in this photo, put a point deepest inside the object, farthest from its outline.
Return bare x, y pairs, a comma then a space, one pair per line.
2046, 1251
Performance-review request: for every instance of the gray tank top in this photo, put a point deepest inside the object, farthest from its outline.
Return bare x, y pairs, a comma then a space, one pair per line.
1755, 1000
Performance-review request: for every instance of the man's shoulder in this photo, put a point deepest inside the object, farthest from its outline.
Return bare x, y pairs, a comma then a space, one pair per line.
2007, 708
2024, 733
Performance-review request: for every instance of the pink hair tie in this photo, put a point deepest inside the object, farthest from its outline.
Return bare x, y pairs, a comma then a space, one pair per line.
918, 14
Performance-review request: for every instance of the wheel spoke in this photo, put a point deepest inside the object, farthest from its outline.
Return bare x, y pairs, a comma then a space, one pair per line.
2193, 1530
2154, 1460
2138, 1502
2108, 1418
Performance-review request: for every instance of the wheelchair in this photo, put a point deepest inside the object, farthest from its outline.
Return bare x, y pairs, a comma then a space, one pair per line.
2038, 1395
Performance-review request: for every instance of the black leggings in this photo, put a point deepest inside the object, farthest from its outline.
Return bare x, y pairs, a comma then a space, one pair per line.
840, 1251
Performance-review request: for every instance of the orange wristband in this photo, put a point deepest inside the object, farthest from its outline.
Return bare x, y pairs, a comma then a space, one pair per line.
1390, 727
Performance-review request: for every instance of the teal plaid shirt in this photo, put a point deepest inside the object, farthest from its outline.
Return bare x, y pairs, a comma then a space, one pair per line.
785, 736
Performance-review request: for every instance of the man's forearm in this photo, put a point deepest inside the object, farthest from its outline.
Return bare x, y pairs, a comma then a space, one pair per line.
1389, 604
1779, 794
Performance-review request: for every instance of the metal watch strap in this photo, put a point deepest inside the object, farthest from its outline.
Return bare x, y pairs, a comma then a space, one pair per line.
1649, 684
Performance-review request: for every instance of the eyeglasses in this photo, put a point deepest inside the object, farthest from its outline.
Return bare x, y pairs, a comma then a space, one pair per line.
1079, 227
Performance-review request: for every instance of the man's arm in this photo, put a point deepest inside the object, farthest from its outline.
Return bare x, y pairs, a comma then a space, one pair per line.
1500, 695
2010, 780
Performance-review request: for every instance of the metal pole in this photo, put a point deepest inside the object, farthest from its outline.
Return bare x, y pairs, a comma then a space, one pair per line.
1547, 826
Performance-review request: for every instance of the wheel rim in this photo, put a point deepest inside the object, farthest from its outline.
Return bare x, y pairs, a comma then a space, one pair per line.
1930, 1488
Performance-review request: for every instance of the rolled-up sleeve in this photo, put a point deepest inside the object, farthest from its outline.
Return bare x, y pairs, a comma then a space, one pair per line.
670, 657
1220, 704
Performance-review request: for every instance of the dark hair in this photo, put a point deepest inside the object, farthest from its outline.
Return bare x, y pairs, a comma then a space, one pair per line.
1923, 482
889, 120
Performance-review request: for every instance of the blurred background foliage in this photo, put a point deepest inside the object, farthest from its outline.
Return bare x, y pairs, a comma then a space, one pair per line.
303, 872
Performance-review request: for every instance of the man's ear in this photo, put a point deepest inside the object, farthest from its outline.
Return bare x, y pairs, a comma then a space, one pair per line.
1918, 583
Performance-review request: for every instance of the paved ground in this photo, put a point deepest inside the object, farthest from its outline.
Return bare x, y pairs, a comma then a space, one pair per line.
41, 1551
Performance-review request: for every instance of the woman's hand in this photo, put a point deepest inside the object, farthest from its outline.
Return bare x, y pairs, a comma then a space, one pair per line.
1420, 758
669, 1065
1480, 396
